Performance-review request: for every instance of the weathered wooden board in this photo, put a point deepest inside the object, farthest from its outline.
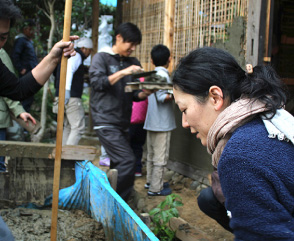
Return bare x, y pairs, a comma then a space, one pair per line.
185, 232
44, 150
30, 180
148, 86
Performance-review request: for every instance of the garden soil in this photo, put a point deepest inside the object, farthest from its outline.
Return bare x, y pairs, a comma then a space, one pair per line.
190, 211
32, 224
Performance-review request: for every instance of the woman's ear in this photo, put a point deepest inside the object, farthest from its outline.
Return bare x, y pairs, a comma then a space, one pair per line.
216, 97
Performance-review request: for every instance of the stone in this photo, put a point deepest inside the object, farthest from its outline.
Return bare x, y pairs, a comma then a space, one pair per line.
206, 181
187, 182
168, 175
141, 204
194, 185
178, 187
177, 178
198, 189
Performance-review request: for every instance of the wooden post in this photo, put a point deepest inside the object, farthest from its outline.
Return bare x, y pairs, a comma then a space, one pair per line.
253, 32
168, 37
119, 9
268, 32
185, 232
60, 117
95, 26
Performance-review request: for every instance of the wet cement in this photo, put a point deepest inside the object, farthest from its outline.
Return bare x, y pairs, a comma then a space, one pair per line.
31, 225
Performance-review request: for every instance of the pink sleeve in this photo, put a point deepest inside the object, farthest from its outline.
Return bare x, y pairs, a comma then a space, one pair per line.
139, 110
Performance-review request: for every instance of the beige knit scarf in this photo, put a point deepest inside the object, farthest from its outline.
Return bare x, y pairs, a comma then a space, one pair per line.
234, 116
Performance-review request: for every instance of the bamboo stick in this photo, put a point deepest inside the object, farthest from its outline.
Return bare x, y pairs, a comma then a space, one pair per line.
214, 20
201, 20
225, 18
210, 23
267, 30
197, 23
169, 27
60, 117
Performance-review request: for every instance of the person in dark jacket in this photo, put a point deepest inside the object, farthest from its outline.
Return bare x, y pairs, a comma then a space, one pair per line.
74, 114
18, 89
21, 88
239, 115
111, 106
23, 55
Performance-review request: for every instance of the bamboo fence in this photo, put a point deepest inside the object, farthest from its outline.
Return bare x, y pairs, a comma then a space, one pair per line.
197, 23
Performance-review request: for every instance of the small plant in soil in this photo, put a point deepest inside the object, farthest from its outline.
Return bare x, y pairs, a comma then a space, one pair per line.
162, 214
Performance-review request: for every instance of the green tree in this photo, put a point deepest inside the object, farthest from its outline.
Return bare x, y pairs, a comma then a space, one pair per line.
49, 16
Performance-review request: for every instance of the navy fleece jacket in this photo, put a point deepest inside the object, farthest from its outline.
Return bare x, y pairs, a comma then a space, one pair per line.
257, 178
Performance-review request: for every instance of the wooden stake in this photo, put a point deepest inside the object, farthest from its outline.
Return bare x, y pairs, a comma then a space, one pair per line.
60, 117
267, 33
169, 28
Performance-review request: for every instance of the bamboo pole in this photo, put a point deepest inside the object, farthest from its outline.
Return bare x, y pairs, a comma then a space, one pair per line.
225, 20
60, 117
169, 28
267, 57
209, 24
201, 21
95, 26
197, 23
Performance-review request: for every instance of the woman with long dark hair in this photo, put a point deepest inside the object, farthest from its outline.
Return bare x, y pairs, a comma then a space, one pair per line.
239, 116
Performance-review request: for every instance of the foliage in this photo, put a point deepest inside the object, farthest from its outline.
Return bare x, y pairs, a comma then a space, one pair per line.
162, 214
36, 107
81, 19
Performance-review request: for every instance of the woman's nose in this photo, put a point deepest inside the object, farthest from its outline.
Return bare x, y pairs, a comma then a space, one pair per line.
184, 122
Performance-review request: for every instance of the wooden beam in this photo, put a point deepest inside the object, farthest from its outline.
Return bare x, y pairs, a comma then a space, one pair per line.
168, 37
95, 25
95, 33
185, 232
268, 32
188, 170
118, 13
44, 150
253, 30
112, 178
148, 86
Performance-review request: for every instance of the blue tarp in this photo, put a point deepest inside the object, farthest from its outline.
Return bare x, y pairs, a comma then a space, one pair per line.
93, 194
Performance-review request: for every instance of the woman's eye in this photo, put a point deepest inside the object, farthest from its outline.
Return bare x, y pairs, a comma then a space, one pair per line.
184, 111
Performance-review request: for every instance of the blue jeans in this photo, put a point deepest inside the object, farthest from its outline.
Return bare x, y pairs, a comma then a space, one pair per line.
2, 158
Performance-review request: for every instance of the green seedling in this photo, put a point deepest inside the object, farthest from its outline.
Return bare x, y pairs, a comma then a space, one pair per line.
162, 214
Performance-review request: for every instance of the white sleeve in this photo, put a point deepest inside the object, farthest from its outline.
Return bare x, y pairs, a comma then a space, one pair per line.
73, 64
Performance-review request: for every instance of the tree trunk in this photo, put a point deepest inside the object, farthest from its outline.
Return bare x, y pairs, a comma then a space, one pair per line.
38, 137
118, 18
